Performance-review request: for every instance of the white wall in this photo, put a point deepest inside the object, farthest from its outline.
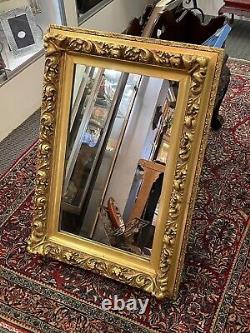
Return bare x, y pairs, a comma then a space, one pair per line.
48, 16
8, 5
116, 15
21, 96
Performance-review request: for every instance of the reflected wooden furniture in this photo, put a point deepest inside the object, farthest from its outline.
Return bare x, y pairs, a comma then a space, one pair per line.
236, 7
151, 171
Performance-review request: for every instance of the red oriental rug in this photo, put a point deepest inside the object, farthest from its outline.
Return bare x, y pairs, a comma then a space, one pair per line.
38, 294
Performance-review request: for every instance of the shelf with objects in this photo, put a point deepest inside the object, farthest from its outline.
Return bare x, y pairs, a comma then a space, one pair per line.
22, 26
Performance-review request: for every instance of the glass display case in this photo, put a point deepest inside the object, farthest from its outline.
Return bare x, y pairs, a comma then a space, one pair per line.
95, 98
22, 26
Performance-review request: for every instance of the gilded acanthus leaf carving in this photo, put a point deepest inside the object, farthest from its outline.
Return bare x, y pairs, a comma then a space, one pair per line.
45, 149
135, 54
97, 265
191, 114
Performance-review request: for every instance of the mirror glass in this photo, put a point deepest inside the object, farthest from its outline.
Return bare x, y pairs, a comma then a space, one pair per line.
117, 150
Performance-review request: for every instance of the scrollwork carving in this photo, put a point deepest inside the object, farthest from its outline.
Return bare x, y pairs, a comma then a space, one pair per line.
122, 52
45, 149
193, 105
97, 265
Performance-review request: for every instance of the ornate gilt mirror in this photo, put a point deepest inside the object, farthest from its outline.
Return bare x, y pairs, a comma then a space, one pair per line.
123, 131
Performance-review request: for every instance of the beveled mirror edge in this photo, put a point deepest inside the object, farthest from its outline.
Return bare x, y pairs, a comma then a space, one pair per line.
57, 45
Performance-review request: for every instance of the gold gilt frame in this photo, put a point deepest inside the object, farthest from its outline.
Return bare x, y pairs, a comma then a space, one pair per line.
197, 69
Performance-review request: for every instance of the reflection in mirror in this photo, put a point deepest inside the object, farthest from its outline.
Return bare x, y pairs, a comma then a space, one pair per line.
117, 150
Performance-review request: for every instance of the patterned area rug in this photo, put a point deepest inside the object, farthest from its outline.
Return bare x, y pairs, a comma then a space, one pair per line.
38, 294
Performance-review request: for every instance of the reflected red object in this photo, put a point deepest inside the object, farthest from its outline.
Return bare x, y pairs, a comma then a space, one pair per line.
240, 7
244, 4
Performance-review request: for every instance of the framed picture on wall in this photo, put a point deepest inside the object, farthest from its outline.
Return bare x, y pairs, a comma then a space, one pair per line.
21, 31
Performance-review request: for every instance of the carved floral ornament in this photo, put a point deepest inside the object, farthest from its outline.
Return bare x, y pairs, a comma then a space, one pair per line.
56, 46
